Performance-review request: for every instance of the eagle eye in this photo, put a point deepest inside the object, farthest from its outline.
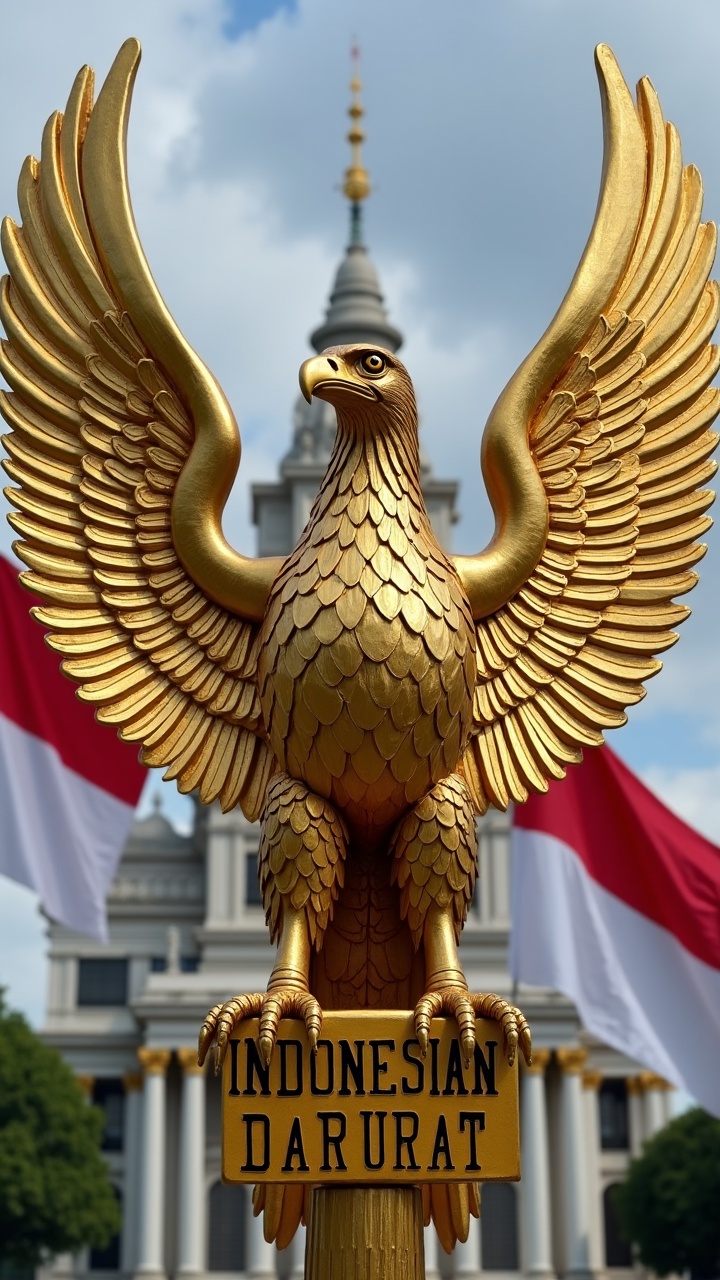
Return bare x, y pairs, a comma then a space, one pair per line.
373, 362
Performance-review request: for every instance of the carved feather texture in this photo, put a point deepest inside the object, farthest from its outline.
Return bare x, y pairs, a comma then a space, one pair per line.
302, 852
367, 664
435, 856
622, 442
99, 436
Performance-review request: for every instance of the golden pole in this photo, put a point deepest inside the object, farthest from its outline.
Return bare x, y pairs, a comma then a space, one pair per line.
365, 1233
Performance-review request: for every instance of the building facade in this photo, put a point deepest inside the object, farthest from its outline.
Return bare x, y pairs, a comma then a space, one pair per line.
187, 930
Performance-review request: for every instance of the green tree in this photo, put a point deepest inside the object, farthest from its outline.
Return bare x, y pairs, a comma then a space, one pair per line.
670, 1204
55, 1196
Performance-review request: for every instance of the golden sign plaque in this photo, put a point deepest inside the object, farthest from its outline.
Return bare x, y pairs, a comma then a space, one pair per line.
367, 1107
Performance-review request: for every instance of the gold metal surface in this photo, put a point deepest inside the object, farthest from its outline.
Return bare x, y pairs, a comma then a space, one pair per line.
650, 1080
189, 1064
367, 1106
369, 695
539, 1064
154, 1062
357, 181
592, 1080
571, 1060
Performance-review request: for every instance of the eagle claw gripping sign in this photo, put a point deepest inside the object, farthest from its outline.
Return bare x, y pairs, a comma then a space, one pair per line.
370, 695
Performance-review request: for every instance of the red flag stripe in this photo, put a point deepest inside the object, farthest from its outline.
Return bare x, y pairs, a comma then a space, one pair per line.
36, 696
634, 847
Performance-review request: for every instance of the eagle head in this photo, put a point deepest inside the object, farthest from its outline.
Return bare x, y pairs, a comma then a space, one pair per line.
361, 381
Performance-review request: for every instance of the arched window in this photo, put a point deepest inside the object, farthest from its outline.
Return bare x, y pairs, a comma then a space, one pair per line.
498, 1227
617, 1252
227, 1218
108, 1259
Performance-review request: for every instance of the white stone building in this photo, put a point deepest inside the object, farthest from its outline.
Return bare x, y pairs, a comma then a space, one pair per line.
187, 930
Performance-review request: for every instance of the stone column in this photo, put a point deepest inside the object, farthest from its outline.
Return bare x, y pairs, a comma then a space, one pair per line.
261, 1257
432, 1253
132, 1081
655, 1088
298, 1256
576, 1224
151, 1218
591, 1084
192, 1196
466, 1257
634, 1087
535, 1211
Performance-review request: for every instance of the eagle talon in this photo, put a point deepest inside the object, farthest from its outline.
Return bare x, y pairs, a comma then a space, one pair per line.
464, 1006
452, 1000
282, 1002
287, 1002
514, 1024
220, 1024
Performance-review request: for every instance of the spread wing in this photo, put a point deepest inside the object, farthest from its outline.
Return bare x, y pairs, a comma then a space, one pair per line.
617, 409
124, 449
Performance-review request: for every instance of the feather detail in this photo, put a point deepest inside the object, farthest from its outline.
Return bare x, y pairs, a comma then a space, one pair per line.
621, 442
99, 436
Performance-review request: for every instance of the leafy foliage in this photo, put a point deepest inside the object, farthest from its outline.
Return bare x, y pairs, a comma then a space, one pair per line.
669, 1205
55, 1196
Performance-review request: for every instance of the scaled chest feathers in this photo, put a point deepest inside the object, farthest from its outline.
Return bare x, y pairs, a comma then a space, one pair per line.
368, 666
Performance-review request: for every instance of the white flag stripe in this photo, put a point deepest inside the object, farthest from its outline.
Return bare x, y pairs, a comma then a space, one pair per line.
634, 984
45, 806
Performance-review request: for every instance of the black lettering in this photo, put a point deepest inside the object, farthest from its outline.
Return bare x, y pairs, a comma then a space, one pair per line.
295, 1148
379, 1068
332, 1139
454, 1071
285, 1091
353, 1066
475, 1121
405, 1139
251, 1165
441, 1147
419, 1066
234, 1090
367, 1142
255, 1067
485, 1068
330, 1069
434, 1090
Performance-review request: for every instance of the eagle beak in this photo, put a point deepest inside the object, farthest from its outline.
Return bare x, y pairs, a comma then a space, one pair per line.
314, 371
327, 377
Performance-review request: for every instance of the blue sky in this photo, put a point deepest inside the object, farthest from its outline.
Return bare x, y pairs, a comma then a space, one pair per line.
484, 147
244, 16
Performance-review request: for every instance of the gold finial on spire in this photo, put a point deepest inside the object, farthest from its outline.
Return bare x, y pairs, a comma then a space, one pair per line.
357, 180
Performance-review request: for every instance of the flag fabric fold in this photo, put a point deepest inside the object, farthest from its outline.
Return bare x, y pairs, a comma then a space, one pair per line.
68, 785
616, 904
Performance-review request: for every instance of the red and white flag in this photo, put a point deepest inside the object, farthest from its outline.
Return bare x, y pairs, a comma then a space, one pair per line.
616, 903
68, 785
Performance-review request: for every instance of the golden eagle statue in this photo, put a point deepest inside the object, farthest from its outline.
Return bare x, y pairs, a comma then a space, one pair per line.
369, 695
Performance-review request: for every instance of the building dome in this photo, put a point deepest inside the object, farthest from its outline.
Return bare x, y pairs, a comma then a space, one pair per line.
356, 312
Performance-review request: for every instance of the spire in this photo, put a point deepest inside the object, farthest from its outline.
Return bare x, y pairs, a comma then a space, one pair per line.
356, 186
356, 312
